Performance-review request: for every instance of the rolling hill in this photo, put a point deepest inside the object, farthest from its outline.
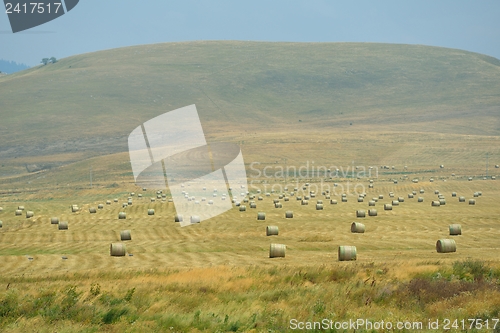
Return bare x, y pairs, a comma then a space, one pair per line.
255, 93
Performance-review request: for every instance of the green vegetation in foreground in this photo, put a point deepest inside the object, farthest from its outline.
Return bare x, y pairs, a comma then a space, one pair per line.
250, 299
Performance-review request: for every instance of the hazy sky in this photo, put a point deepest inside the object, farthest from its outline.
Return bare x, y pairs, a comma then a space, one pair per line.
103, 24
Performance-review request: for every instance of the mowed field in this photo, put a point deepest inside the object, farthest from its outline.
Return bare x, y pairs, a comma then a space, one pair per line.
235, 238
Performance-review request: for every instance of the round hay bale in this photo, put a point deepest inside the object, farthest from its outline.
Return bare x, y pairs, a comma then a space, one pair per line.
253, 205
374, 199
360, 213
455, 229
441, 166
20, 207
371, 203
497, 166
278, 205
395, 202
29, 214
327, 197
132, 194
344, 199
414, 192
54, 220
139, 195
493, 178
275, 201
115, 200
344, 195
410, 195
395, 181
347, 253
472, 202
307, 197
387, 207
319, 206
125, 235
151, 211
319, 201
453, 194
391, 195
370, 186
422, 191
260, 198
124, 205
144, 189
261, 216
480, 193
401, 199
333, 202
420, 199
74, 209
357, 228
280, 196
476, 195
19, 212
431, 180
1, 209
470, 179
195, 219
122, 215
92, 210
243, 208
178, 218
304, 202
360, 199
245, 200
446, 246
372, 212
289, 214
129, 202
277, 251
435, 203
286, 198
117, 250
442, 202
381, 196
271, 230
63, 225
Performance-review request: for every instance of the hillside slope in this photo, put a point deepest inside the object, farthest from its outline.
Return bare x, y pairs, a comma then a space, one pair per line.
94, 100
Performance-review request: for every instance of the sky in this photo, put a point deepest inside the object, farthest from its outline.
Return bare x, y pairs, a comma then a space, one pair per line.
95, 25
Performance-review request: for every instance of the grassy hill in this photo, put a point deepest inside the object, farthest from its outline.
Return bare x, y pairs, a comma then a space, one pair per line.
302, 101
96, 98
